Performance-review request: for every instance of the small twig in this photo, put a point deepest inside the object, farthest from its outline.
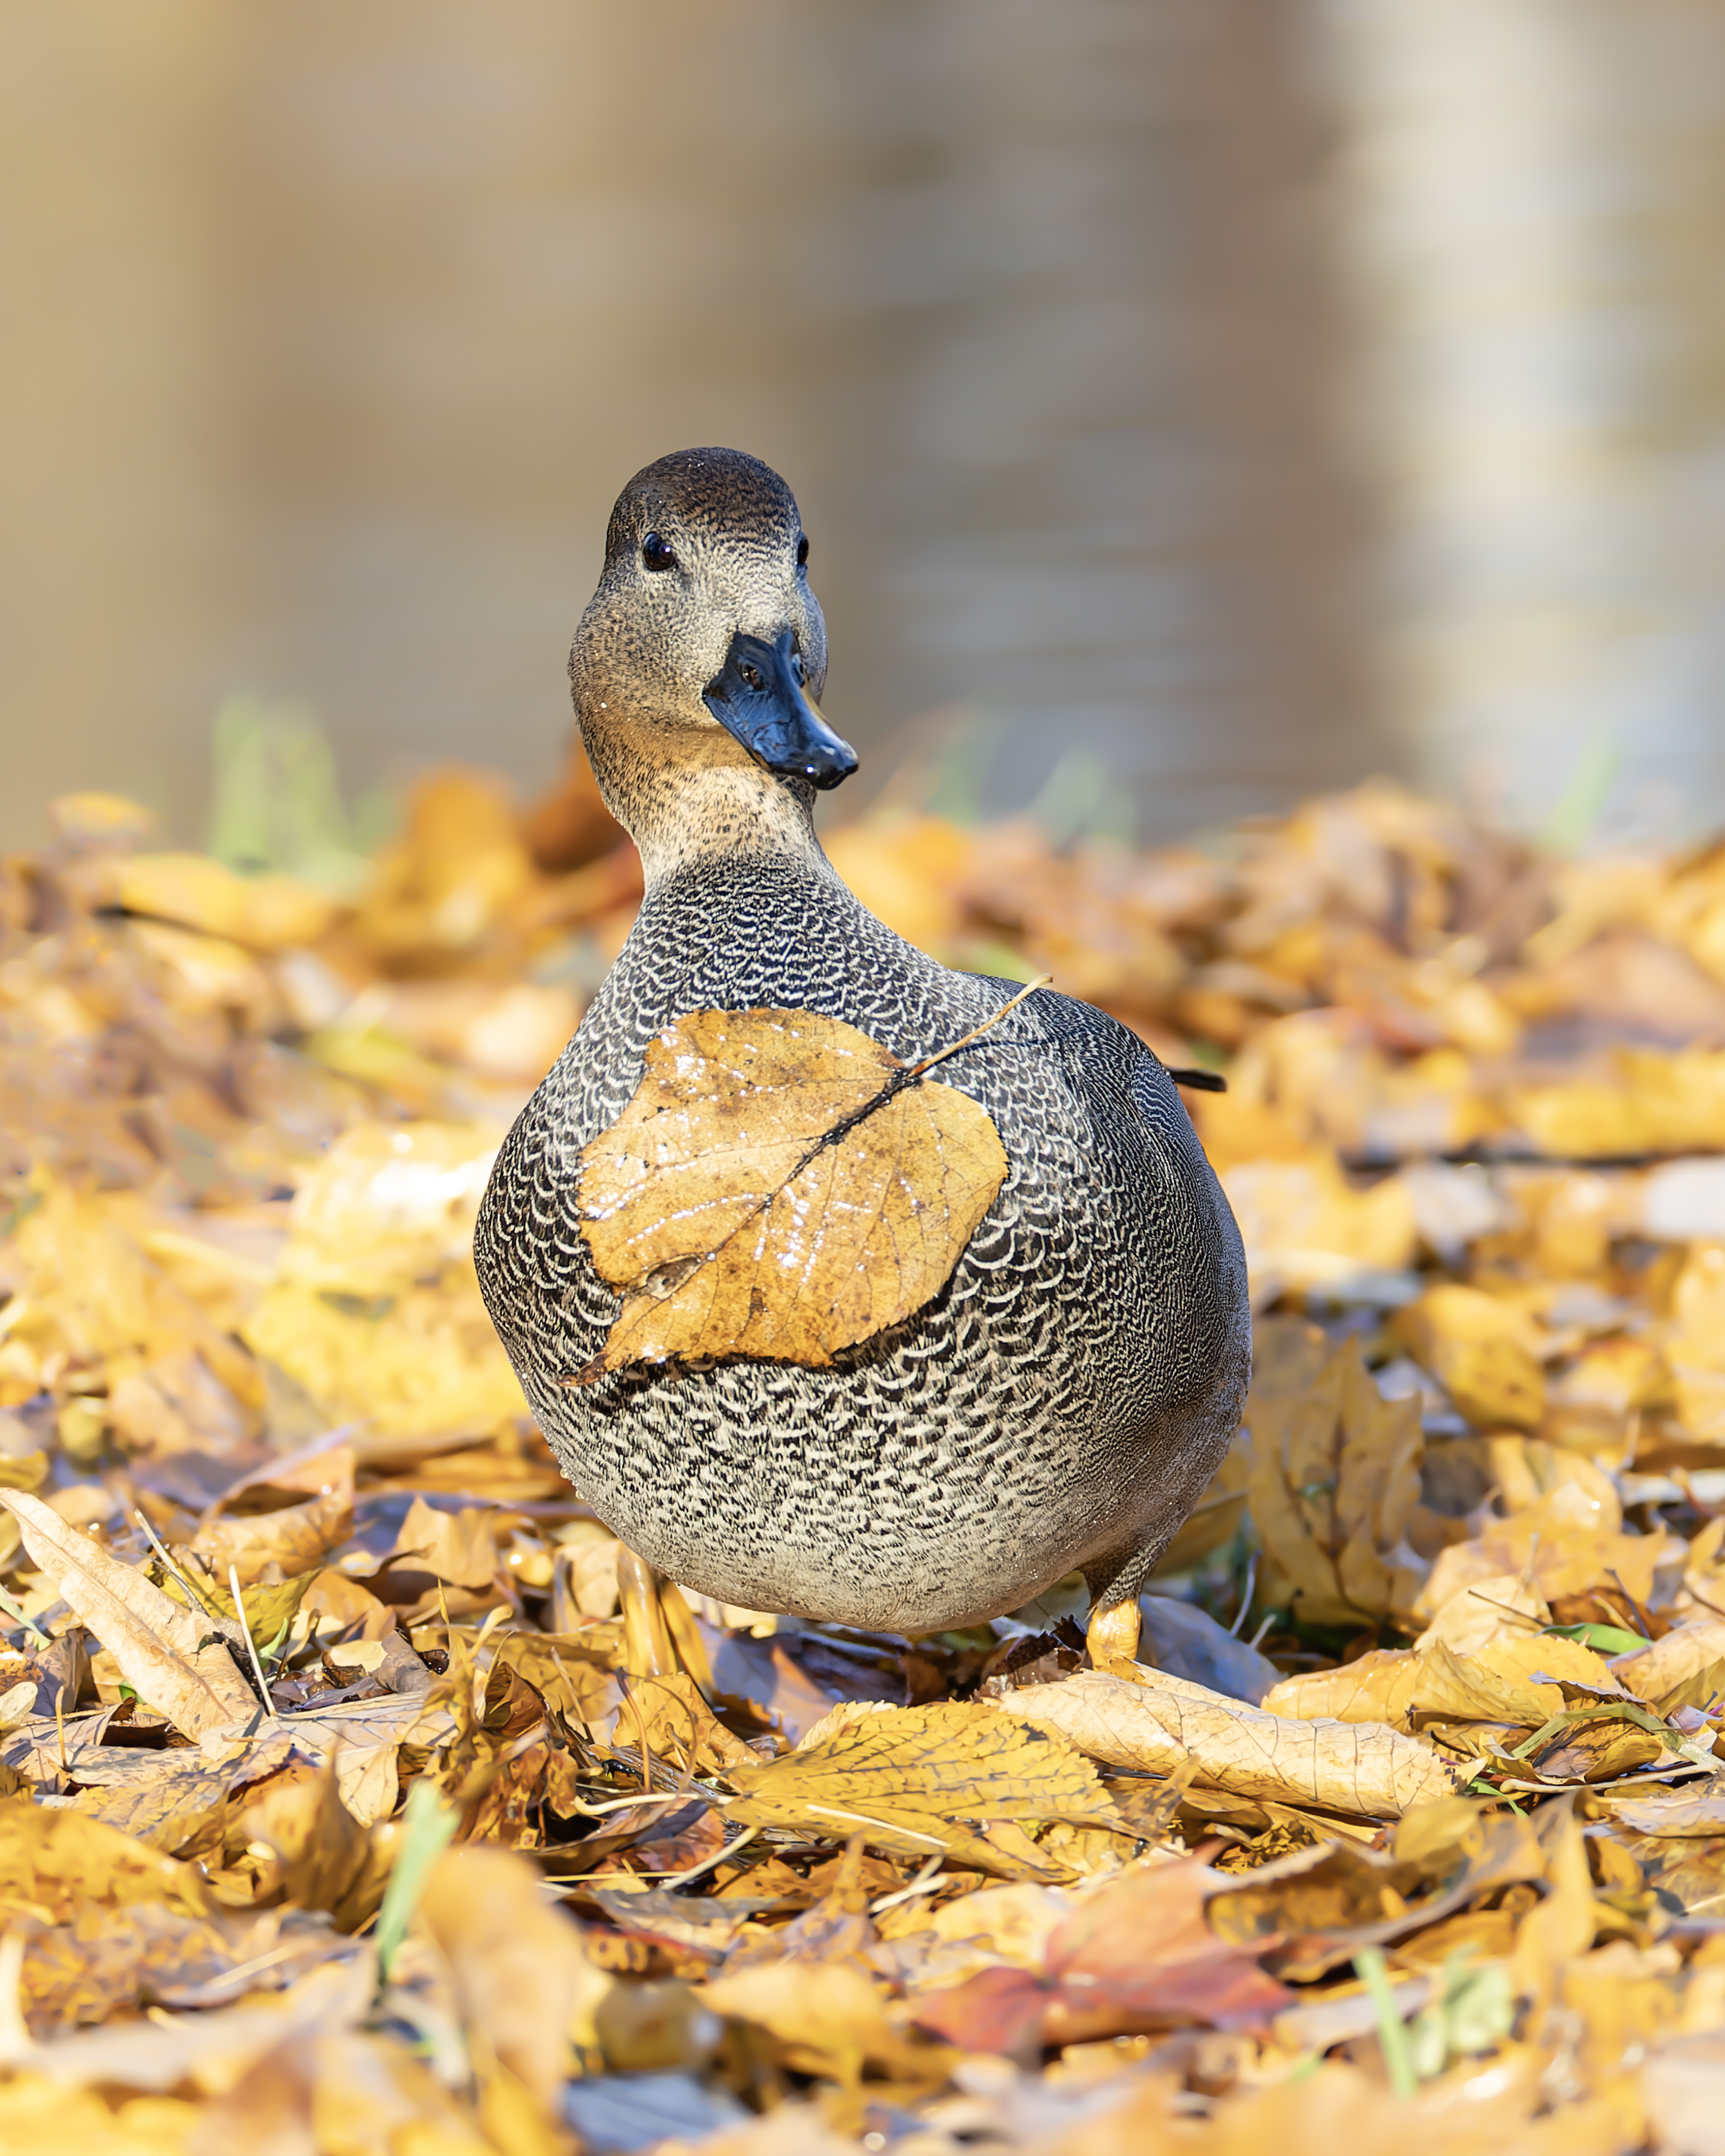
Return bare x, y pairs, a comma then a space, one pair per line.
193, 1598
1270, 1618
925, 1882
664, 1880
251, 1645
976, 1033
1198, 1081
1640, 1614
1508, 1608
1246, 1594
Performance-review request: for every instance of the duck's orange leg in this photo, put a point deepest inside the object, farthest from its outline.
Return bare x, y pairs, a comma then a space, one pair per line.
1111, 1631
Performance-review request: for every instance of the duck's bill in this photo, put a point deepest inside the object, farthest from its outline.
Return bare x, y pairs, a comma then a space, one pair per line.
759, 697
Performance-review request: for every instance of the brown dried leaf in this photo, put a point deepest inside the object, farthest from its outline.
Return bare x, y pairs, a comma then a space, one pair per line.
167, 1653
1158, 1721
1136, 1954
1682, 1668
176, 1800
303, 1846
781, 1186
918, 1779
458, 1546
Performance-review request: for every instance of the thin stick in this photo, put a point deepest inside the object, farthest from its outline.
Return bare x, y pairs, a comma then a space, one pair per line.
664, 1880
251, 1645
161, 1551
925, 1882
976, 1033
1246, 1594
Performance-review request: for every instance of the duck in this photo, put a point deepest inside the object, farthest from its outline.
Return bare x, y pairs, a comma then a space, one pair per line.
1060, 1404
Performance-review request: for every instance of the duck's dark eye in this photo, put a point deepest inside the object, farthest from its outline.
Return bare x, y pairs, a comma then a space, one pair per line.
655, 554
802, 552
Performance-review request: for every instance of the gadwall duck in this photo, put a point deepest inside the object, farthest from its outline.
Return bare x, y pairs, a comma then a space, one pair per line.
1063, 1401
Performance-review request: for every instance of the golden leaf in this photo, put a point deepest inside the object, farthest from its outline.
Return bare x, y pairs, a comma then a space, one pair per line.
909, 1778
516, 1963
1482, 1349
1158, 1721
1374, 1687
781, 1186
1334, 1478
51, 1859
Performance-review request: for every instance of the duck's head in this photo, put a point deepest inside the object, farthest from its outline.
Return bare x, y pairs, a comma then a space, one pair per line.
696, 666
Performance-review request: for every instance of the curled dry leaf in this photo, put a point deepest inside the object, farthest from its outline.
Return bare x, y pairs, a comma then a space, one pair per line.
920, 1779
1158, 1721
169, 1656
781, 1186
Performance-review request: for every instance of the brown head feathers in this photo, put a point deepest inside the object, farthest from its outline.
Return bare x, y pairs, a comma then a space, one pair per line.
696, 666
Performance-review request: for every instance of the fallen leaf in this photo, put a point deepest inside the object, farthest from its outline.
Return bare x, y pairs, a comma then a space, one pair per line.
459, 1547
1136, 1954
830, 2018
1334, 1480
780, 1186
1683, 1668
302, 1846
520, 1976
168, 1655
1378, 1686
176, 1800
1158, 1722
1481, 1350
51, 1861
919, 1780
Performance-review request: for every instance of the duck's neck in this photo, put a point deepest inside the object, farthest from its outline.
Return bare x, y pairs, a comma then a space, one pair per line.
709, 802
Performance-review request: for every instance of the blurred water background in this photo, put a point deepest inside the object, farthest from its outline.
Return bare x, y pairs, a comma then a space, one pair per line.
1193, 403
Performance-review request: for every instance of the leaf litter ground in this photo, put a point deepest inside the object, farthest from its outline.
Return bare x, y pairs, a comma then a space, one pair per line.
361, 1793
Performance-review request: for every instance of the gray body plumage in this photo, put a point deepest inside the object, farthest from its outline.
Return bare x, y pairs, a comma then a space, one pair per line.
1060, 1404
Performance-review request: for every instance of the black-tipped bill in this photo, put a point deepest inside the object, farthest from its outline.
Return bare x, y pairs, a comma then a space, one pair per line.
759, 697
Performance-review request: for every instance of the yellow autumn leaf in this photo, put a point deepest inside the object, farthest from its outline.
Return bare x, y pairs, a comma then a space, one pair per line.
1480, 1349
1151, 1721
1334, 1480
923, 1779
1378, 1686
50, 1860
781, 1186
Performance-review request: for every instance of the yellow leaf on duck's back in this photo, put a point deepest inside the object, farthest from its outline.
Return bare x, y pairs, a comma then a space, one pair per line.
781, 1186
